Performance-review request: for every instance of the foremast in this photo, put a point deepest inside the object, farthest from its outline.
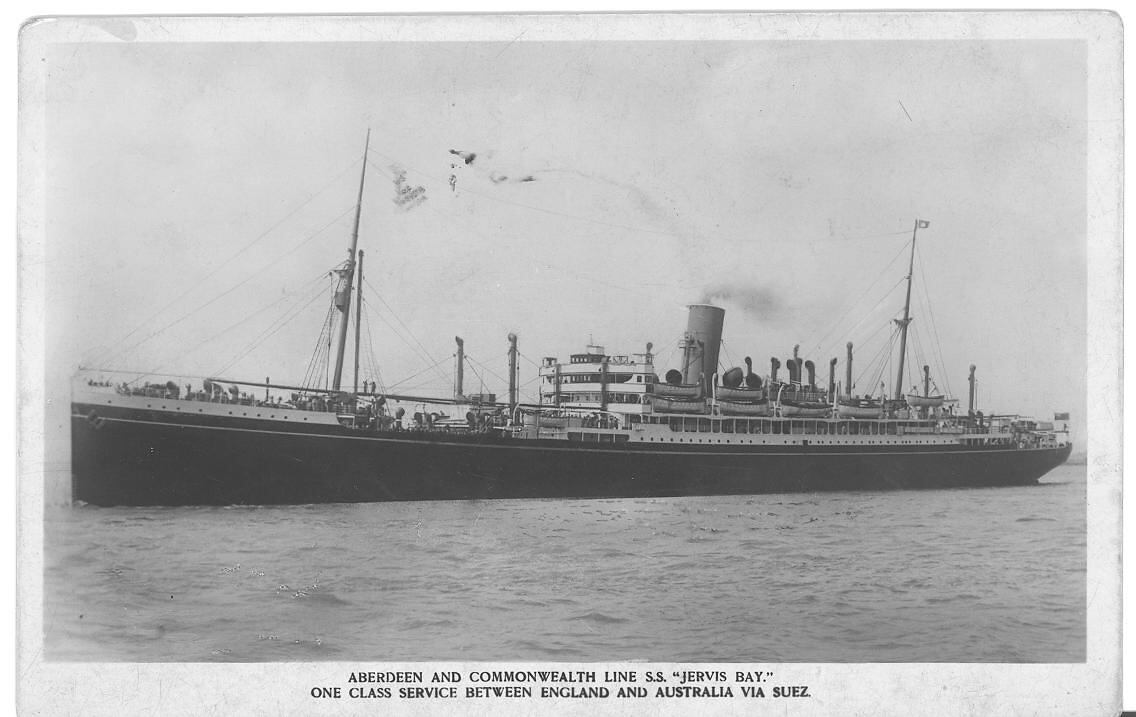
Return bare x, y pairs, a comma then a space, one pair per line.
903, 323
346, 280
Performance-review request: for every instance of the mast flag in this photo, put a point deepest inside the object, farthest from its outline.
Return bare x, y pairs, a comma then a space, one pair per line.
923, 223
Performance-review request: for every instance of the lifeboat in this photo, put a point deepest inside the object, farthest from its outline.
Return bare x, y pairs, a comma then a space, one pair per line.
663, 404
739, 394
804, 409
751, 408
924, 401
678, 390
859, 409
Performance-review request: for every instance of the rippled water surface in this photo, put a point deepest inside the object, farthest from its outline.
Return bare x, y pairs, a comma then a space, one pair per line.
976, 575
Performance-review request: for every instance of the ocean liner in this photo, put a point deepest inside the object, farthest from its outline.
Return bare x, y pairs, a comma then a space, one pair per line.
604, 426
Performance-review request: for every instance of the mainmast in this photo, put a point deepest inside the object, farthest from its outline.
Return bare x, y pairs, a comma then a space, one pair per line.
919, 224
358, 320
346, 276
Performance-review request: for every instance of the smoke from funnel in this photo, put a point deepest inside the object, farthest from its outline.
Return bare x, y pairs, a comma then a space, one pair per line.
750, 299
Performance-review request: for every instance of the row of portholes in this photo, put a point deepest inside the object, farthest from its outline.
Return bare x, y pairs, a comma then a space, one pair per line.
811, 442
178, 408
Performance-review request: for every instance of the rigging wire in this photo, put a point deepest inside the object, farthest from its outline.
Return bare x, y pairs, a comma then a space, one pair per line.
114, 349
526, 358
729, 359
487, 370
876, 364
868, 314
267, 334
140, 375
934, 328
425, 359
855, 303
421, 347
413, 376
264, 308
245, 319
914, 370
317, 359
932, 351
477, 374
675, 346
376, 373
231, 289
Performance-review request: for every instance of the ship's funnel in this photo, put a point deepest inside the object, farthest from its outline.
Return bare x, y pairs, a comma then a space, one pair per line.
703, 330
810, 369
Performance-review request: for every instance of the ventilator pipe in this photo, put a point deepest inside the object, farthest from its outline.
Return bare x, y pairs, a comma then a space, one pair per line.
794, 367
460, 372
752, 380
848, 373
512, 372
970, 401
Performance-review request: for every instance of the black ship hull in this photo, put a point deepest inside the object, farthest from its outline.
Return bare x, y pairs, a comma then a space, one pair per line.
126, 457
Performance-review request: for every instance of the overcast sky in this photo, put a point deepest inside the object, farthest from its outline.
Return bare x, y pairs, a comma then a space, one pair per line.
613, 183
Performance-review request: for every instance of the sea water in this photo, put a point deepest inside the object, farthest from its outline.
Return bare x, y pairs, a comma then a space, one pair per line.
970, 575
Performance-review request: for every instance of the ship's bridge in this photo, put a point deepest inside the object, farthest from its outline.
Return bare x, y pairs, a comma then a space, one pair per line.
596, 379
